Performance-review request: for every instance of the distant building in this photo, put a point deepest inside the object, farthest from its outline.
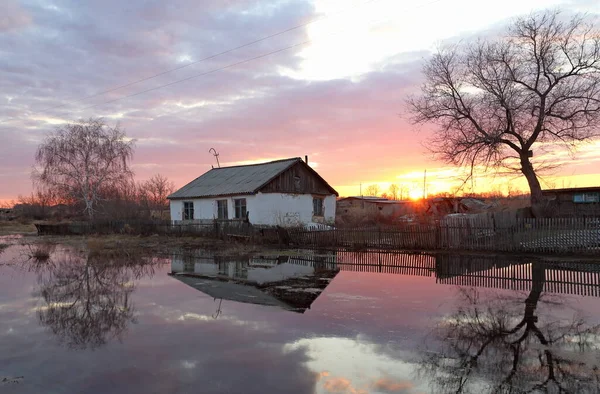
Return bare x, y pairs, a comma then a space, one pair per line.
375, 208
283, 192
575, 202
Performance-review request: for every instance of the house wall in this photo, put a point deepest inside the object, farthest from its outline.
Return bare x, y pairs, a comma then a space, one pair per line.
265, 208
566, 206
355, 208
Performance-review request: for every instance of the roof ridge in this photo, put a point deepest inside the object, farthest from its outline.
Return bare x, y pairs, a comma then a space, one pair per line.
259, 164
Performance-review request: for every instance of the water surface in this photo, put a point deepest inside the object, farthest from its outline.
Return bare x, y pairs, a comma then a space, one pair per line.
338, 322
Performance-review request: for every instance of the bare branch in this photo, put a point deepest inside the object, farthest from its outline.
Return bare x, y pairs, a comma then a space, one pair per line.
498, 99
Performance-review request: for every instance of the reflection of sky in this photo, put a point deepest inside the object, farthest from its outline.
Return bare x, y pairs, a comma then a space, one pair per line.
362, 335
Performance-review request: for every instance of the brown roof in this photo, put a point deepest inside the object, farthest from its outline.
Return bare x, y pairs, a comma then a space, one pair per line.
573, 190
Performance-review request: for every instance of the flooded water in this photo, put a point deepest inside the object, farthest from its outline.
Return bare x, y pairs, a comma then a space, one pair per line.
336, 322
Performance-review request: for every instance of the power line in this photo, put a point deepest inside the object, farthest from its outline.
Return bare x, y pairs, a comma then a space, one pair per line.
212, 71
250, 43
219, 68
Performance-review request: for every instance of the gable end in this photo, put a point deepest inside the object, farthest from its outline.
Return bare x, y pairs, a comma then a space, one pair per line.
298, 179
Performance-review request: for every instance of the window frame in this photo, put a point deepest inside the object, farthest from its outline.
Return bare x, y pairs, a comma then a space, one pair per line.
222, 204
586, 198
188, 210
238, 204
319, 210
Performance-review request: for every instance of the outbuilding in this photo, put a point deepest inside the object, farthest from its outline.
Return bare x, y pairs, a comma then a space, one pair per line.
575, 202
283, 192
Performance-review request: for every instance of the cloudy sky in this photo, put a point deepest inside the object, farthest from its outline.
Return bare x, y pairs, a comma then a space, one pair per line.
332, 87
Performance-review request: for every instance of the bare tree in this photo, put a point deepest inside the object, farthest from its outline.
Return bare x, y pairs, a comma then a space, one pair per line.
155, 191
372, 190
394, 191
495, 100
490, 338
87, 300
78, 160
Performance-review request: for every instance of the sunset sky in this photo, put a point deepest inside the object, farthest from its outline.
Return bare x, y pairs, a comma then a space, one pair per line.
337, 95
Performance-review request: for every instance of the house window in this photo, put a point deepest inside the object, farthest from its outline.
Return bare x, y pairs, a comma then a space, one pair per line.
586, 198
240, 208
317, 206
222, 210
188, 210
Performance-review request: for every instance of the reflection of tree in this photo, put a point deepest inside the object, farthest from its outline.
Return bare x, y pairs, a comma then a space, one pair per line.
87, 301
494, 342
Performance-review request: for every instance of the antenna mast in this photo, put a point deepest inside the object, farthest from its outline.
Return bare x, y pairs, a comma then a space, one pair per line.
216, 155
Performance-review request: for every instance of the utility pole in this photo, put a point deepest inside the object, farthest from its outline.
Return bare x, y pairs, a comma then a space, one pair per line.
425, 184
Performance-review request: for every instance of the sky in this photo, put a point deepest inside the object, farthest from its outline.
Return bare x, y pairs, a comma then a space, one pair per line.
332, 86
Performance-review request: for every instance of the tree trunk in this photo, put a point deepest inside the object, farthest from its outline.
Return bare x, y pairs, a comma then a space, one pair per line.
537, 199
538, 280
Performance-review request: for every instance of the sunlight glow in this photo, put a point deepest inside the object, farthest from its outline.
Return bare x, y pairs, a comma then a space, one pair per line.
415, 194
364, 37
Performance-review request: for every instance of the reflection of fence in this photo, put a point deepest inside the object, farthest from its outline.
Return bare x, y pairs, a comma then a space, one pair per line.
500, 272
394, 263
553, 235
562, 277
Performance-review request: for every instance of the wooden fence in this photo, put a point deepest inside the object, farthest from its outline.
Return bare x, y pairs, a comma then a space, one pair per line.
552, 235
472, 233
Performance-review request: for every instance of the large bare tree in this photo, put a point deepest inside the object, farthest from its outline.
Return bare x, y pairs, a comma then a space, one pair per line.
78, 160
497, 101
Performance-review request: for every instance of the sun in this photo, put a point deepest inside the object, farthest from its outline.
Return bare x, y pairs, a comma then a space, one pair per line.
415, 194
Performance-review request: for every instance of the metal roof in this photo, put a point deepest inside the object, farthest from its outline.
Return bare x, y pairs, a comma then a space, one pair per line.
573, 190
226, 181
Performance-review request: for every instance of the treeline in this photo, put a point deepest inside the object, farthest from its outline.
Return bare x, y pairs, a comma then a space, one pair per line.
125, 200
401, 192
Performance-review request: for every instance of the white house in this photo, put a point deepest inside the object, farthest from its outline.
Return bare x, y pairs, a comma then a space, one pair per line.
282, 192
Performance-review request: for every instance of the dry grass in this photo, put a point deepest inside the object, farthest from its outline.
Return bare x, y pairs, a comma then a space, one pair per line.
123, 245
15, 227
119, 245
40, 252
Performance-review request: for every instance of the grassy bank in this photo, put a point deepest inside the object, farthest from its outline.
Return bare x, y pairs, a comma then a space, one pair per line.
15, 227
120, 244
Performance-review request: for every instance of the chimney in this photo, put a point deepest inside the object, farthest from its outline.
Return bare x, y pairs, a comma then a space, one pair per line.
306, 159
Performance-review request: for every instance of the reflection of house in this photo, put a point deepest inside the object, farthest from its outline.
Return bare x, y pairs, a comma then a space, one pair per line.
282, 192
277, 281
575, 202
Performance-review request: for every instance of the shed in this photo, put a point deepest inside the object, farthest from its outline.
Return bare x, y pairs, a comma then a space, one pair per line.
575, 202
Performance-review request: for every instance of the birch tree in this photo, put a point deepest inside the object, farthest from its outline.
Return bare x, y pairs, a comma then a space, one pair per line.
78, 160
497, 102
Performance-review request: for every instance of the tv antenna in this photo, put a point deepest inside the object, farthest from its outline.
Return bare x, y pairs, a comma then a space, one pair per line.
216, 155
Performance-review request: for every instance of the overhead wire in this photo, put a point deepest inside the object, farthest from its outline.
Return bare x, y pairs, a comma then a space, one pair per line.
210, 57
218, 68
211, 71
